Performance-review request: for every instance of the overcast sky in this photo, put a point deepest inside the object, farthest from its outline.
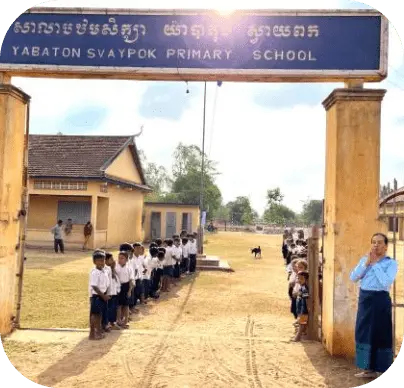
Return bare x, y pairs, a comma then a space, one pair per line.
271, 134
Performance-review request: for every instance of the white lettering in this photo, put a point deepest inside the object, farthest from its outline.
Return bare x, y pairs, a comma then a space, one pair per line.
131, 52
66, 52
207, 55
101, 53
111, 54
278, 55
55, 50
228, 53
91, 53
45, 52
217, 54
170, 53
25, 51
35, 51
181, 53
268, 55
122, 52
291, 55
257, 55
301, 55
151, 53
15, 49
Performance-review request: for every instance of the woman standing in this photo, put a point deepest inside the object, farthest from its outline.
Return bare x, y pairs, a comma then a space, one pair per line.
374, 333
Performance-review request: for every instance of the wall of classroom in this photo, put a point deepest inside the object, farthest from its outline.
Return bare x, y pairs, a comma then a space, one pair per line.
169, 208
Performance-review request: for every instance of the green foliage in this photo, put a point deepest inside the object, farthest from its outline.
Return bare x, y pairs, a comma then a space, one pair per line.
312, 213
241, 212
184, 186
279, 214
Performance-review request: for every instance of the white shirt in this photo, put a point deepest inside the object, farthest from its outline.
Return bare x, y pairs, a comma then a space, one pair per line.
154, 262
115, 287
139, 266
148, 264
185, 250
108, 271
168, 259
177, 253
193, 250
100, 279
125, 273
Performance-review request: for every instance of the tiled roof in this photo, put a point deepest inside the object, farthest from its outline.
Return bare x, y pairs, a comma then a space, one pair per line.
59, 156
388, 199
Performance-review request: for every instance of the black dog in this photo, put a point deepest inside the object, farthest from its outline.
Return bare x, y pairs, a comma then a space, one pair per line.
256, 251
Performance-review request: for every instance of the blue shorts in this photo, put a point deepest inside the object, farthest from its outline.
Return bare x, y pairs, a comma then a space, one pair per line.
168, 270
123, 299
98, 306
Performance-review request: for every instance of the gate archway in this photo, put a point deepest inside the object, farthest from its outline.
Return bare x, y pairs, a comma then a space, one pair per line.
246, 46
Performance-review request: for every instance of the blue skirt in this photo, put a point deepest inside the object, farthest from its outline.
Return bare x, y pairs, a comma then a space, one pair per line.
374, 331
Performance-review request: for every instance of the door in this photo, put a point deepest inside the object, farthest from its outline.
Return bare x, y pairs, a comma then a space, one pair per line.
189, 226
171, 224
155, 225
184, 225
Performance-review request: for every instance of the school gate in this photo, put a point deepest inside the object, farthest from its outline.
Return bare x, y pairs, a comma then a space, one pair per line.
246, 46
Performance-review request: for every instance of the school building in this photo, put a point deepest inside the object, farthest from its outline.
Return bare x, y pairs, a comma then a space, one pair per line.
163, 220
85, 178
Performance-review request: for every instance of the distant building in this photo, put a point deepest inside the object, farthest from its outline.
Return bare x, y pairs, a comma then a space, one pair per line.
163, 220
85, 178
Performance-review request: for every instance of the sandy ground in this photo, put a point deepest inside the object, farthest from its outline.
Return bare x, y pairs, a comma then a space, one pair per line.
215, 330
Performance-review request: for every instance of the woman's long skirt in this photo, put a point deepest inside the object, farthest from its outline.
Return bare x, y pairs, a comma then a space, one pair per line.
374, 331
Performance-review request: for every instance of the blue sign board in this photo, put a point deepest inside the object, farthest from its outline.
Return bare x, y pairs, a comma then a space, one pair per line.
340, 44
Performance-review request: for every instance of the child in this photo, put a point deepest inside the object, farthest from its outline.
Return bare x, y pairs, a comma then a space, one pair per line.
140, 269
177, 253
157, 283
167, 266
114, 289
292, 282
159, 242
107, 268
148, 268
193, 250
126, 278
185, 256
301, 304
98, 285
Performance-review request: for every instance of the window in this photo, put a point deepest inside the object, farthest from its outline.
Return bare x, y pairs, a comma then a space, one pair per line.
60, 185
79, 212
391, 224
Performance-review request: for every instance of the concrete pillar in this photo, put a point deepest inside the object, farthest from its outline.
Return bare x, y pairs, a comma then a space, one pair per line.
94, 211
13, 110
351, 206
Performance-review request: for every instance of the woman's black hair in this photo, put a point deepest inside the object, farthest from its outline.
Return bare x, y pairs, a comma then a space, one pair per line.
98, 254
385, 238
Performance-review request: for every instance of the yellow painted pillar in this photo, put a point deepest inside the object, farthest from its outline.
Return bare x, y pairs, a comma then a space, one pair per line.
351, 206
13, 111
94, 211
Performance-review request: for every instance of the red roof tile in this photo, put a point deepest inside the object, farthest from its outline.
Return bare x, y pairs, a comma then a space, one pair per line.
59, 156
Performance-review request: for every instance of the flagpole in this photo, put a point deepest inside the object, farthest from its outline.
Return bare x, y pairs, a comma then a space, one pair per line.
201, 197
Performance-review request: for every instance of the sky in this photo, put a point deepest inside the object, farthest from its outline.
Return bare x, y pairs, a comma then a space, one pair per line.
269, 134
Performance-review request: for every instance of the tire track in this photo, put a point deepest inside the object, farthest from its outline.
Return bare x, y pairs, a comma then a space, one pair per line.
234, 376
150, 370
251, 355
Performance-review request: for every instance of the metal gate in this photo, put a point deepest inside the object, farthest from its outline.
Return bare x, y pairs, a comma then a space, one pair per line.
390, 198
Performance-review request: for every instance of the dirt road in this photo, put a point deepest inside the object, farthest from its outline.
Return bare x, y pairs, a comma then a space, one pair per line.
215, 330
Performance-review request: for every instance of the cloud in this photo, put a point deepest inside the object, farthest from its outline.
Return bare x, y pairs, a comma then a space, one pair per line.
167, 100
289, 95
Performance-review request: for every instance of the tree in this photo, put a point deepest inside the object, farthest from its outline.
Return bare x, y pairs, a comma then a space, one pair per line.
187, 172
279, 214
156, 178
241, 211
274, 196
312, 213
223, 213
276, 212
